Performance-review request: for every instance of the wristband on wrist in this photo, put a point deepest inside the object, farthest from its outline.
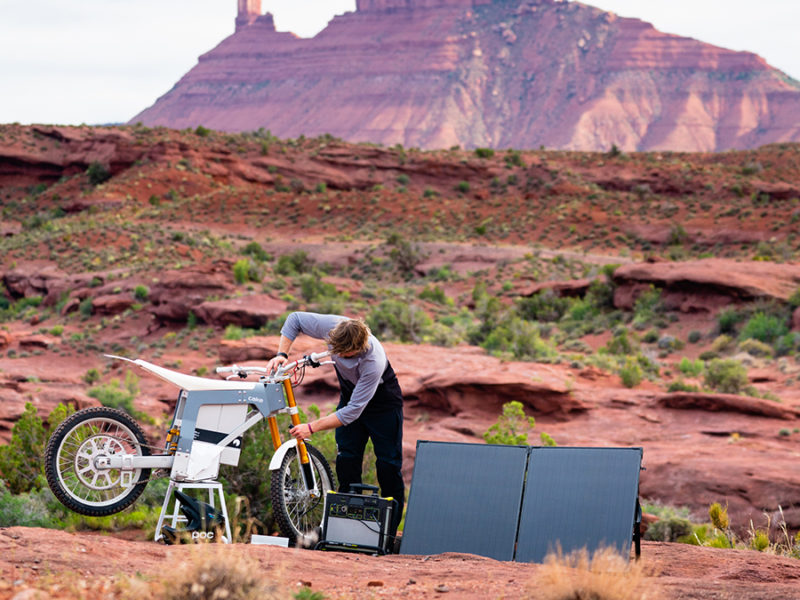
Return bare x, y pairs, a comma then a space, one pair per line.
309, 429
283, 354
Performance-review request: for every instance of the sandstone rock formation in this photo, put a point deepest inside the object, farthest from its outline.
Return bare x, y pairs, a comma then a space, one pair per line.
706, 284
516, 73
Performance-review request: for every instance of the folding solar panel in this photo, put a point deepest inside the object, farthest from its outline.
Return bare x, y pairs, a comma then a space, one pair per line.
465, 498
578, 498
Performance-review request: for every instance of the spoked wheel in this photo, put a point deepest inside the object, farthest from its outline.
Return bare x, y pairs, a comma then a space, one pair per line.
299, 512
72, 468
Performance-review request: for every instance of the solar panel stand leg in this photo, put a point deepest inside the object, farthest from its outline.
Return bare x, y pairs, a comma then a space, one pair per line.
637, 530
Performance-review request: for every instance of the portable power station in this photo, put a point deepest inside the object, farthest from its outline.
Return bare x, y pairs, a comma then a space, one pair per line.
357, 522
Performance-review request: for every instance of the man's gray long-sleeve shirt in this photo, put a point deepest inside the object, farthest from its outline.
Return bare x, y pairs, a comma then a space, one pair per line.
364, 370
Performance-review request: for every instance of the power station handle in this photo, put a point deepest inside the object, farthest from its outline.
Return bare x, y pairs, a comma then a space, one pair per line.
357, 488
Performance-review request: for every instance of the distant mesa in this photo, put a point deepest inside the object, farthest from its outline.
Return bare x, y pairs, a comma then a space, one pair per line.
495, 73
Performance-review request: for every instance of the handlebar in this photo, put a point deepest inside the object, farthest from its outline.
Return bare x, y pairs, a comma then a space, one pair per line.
283, 372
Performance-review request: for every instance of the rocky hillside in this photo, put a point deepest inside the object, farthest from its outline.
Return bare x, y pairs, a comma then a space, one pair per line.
600, 290
474, 73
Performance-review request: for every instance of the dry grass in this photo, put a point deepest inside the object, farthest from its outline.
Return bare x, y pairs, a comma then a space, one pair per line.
213, 572
604, 576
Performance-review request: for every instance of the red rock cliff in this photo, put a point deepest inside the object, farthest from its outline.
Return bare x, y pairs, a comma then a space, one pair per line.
501, 73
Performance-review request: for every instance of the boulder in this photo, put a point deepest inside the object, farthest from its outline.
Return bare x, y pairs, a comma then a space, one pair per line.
252, 311
706, 284
177, 293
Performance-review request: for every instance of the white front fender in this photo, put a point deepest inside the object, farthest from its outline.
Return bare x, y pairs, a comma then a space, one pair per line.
277, 458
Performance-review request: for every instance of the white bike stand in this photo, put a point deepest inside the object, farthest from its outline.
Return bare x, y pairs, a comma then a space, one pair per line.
175, 517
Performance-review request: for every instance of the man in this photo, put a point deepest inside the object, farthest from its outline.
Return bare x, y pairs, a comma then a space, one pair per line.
370, 404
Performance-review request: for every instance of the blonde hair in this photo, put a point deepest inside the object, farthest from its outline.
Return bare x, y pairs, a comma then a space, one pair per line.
349, 337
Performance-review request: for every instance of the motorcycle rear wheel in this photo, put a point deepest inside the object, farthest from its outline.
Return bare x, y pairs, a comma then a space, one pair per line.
71, 467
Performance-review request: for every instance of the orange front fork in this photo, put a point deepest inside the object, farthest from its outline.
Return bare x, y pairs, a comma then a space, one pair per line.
301, 446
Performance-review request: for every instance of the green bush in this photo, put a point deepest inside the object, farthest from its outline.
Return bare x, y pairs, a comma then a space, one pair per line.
399, 320
630, 373
754, 347
26, 509
545, 306
462, 187
313, 289
435, 294
202, 131
245, 270
727, 376
117, 395
681, 386
98, 173
693, 368
520, 338
254, 250
764, 328
512, 426
728, 320
484, 152
141, 292
402, 179
404, 256
295, 263
21, 459
694, 336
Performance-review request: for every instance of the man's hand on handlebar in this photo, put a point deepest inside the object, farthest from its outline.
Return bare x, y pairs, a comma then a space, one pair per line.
276, 362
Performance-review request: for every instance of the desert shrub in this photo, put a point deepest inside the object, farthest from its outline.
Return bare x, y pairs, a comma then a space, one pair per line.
630, 372
788, 344
620, 344
603, 575
727, 376
692, 368
462, 187
794, 299
86, 307
669, 343
402, 179
400, 320
98, 173
728, 320
91, 376
545, 306
27, 509
722, 343
520, 338
202, 131
234, 332
312, 288
694, 336
764, 328
681, 386
513, 426
245, 270
294, 263
21, 459
673, 524
404, 256
754, 347
484, 152
254, 250
216, 575
118, 395
141, 292
581, 309
651, 337
435, 294
647, 305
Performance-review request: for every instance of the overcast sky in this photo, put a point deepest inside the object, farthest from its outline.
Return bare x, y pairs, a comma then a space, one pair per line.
103, 61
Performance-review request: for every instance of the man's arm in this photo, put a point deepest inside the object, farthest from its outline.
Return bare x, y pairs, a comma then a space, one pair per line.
305, 430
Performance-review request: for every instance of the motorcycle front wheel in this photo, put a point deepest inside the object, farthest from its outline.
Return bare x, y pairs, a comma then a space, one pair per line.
71, 461
297, 510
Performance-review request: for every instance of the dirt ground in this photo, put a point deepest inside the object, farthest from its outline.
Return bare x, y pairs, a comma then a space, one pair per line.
68, 565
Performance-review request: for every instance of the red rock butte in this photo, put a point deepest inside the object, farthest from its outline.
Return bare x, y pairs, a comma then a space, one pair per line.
496, 73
